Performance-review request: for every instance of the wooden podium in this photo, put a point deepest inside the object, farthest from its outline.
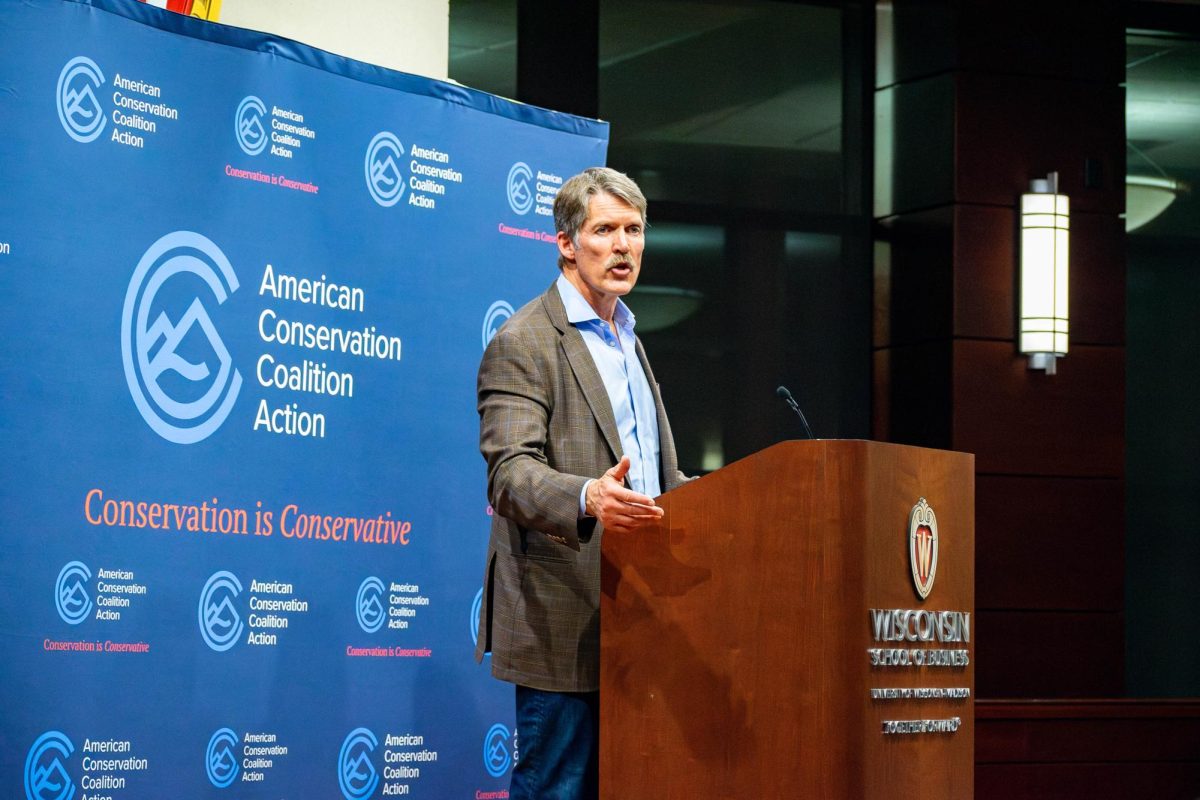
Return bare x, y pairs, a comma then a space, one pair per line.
737, 636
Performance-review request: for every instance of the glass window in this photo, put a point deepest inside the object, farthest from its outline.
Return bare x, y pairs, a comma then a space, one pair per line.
725, 103
730, 115
744, 122
1163, 364
483, 45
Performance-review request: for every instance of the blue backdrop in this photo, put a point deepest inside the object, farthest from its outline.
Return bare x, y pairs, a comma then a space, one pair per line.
246, 285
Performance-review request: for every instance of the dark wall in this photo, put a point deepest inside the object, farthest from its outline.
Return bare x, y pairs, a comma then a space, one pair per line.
982, 102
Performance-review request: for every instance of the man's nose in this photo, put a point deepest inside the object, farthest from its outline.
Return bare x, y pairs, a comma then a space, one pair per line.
621, 243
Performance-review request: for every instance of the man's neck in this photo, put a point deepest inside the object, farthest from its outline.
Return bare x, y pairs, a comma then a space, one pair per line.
605, 305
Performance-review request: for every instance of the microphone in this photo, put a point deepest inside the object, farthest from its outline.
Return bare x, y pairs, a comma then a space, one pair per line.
783, 392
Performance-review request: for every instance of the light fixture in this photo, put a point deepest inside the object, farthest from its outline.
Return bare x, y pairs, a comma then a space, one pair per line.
1146, 197
660, 307
1045, 233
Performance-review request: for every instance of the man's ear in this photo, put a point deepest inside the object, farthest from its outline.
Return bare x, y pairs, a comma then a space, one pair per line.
566, 248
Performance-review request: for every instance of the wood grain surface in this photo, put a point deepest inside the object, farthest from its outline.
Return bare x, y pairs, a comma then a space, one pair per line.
735, 635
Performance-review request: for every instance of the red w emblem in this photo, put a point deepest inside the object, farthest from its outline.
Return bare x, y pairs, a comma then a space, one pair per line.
923, 546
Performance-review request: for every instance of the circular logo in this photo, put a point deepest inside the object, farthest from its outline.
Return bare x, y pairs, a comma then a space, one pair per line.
497, 314
496, 757
357, 777
384, 181
46, 775
476, 607
220, 623
520, 193
182, 401
248, 125
71, 596
79, 111
220, 760
368, 605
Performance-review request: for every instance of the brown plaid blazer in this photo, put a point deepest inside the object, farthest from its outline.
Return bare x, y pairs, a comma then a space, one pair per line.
546, 427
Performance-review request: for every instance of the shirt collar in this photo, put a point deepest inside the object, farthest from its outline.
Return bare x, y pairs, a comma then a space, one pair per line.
579, 310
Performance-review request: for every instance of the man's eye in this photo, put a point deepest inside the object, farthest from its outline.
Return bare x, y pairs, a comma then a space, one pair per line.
635, 230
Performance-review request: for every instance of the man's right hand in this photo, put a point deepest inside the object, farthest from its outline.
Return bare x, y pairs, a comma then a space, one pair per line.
619, 509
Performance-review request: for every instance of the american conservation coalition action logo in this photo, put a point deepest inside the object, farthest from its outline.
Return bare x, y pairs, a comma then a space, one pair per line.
220, 623
79, 110
46, 775
384, 179
496, 756
923, 546
520, 193
183, 383
248, 125
368, 605
220, 760
357, 777
497, 314
71, 596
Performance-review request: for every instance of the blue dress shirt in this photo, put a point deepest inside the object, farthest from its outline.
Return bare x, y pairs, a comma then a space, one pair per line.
628, 389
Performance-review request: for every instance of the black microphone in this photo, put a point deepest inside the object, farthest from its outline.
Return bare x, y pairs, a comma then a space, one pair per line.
783, 392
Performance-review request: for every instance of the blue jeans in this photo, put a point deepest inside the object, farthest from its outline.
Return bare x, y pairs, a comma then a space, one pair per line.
558, 746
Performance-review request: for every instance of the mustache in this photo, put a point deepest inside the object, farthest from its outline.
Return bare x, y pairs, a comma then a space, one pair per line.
619, 261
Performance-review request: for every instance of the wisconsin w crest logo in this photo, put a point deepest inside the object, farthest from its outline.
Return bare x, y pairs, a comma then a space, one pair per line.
922, 546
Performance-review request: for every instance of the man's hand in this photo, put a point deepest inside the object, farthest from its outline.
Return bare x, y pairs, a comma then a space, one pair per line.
619, 509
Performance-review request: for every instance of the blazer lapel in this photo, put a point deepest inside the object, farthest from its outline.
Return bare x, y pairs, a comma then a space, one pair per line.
585, 371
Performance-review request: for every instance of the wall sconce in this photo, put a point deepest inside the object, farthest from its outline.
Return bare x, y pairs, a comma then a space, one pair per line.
1045, 232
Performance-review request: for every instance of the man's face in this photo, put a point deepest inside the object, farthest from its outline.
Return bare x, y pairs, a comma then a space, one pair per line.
604, 265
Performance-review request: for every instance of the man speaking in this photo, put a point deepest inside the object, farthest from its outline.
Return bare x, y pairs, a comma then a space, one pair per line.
577, 444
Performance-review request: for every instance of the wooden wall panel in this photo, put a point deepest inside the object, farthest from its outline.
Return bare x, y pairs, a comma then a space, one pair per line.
1049, 654
986, 252
1021, 421
1087, 749
1049, 543
1012, 129
1046, 39
1033, 88
1087, 781
1088, 730
1097, 279
1032, 37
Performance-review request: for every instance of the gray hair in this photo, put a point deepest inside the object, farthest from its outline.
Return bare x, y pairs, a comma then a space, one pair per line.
574, 198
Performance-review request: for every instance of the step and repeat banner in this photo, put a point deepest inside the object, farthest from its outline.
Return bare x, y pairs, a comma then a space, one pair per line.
246, 286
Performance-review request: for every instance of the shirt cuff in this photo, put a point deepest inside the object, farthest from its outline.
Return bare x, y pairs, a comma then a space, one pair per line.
583, 498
